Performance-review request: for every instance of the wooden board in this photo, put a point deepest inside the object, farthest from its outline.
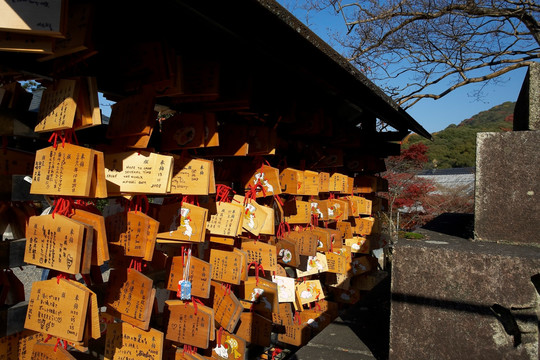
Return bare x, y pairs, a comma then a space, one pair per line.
55, 243
50, 352
232, 347
27, 340
58, 106
268, 178
226, 266
199, 276
66, 170
336, 263
193, 176
262, 253
138, 172
255, 329
302, 215
254, 217
133, 115
309, 291
129, 293
182, 222
311, 183
100, 250
227, 220
315, 265
189, 325
227, 307
34, 17
339, 183
57, 308
124, 341
26, 43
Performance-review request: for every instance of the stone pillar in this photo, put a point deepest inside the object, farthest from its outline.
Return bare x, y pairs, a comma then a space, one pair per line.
507, 199
527, 110
457, 299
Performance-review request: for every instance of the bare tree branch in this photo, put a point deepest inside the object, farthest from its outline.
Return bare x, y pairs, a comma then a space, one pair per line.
416, 49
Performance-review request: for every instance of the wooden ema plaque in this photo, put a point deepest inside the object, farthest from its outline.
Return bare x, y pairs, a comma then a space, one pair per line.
227, 307
27, 340
345, 228
130, 293
315, 265
302, 215
358, 244
8, 347
339, 183
292, 181
138, 172
55, 243
364, 206
261, 253
361, 265
255, 328
67, 170
315, 318
132, 116
222, 240
306, 240
135, 233
57, 308
353, 205
50, 352
324, 182
268, 178
92, 321
199, 275
364, 226
336, 263
227, 221
285, 287
58, 106
124, 341
254, 217
324, 241
193, 176
319, 208
311, 181
183, 131
263, 294
188, 324
232, 347
284, 316
78, 33
182, 222
100, 248
36, 19
88, 113
288, 253
226, 266
295, 334
338, 209
243, 263
309, 291
269, 227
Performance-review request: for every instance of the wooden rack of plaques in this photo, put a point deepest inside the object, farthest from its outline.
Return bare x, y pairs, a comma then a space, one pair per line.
175, 233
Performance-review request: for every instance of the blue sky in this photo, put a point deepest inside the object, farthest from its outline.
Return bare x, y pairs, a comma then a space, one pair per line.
433, 115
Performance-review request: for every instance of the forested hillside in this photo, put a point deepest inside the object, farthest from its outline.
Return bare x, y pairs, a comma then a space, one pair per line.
455, 146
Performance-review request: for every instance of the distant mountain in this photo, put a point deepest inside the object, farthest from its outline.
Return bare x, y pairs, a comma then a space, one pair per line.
455, 146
